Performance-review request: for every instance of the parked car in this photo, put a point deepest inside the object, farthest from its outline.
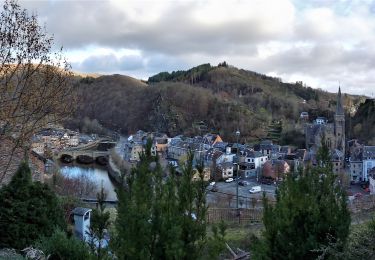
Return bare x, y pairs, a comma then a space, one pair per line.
267, 181
358, 195
212, 183
243, 183
255, 189
214, 188
229, 180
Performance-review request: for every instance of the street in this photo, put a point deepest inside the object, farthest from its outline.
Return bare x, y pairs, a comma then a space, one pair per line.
226, 194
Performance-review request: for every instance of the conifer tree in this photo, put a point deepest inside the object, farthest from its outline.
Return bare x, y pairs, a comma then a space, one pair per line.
161, 217
310, 212
99, 228
28, 210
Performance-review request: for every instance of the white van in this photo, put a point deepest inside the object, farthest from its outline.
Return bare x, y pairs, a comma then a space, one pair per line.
255, 189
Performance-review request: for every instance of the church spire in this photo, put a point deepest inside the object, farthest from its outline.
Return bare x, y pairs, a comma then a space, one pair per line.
339, 108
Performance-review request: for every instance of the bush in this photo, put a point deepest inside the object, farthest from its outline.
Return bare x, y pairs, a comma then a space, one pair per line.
60, 246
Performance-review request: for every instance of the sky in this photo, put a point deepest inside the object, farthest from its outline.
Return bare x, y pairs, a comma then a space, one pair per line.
324, 43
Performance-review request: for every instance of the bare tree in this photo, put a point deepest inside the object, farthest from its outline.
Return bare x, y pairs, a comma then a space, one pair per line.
35, 81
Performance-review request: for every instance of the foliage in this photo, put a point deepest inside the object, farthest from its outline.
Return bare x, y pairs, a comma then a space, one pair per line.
216, 243
293, 137
274, 130
161, 218
363, 122
28, 210
220, 96
361, 242
35, 83
59, 246
310, 211
192, 75
98, 240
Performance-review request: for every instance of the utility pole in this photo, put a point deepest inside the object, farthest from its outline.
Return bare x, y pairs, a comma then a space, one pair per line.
238, 169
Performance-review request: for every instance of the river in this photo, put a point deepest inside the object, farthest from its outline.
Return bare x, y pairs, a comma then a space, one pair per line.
96, 174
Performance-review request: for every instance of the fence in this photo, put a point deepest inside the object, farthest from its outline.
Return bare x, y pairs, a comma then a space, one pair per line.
254, 214
364, 203
231, 215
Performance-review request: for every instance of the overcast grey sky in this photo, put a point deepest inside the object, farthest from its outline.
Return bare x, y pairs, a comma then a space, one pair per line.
320, 42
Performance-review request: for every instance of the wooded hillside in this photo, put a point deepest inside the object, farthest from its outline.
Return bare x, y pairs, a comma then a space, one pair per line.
217, 98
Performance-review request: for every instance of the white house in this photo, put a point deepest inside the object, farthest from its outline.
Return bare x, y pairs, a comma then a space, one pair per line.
371, 179
81, 222
251, 163
368, 160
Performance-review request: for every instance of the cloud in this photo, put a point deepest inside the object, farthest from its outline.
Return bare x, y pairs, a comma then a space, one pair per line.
318, 42
110, 62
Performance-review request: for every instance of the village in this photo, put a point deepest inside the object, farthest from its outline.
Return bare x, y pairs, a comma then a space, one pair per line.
236, 168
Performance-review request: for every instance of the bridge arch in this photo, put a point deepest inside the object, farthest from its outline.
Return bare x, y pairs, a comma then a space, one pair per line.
102, 160
66, 158
84, 159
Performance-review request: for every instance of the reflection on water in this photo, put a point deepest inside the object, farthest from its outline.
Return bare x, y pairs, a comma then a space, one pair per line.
96, 175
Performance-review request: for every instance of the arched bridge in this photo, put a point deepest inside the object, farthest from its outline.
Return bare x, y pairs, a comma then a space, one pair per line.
95, 151
75, 153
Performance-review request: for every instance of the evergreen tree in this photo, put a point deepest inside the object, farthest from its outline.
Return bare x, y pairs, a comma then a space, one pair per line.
310, 212
99, 228
28, 210
60, 246
161, 218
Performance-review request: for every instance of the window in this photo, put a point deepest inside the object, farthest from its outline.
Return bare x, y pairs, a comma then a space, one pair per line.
248, 160
337, 164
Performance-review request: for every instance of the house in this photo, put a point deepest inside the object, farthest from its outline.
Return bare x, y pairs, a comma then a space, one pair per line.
247, 170
304, 116
161, 144
81, 217
178, 148
132, 150
206, 174
356, 164
276, 169
251, 162
371, 178
284, 150
321, 121
225, 170
368, 161
267, 148
209, 140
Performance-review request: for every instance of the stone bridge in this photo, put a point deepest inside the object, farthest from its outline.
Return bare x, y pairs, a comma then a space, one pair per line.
75, 153
87, 153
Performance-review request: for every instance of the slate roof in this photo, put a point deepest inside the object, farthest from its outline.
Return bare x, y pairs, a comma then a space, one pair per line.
368, 152
251, 154
221, 145
336, 155
81, 211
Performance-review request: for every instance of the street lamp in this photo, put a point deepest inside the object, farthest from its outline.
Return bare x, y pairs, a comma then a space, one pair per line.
238, 166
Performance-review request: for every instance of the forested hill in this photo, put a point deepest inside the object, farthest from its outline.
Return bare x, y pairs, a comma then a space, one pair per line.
213, 98
363, 123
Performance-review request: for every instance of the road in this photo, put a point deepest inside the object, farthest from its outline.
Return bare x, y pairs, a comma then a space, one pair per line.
226, 194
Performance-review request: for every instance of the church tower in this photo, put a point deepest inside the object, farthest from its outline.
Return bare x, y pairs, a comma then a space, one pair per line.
339, 124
